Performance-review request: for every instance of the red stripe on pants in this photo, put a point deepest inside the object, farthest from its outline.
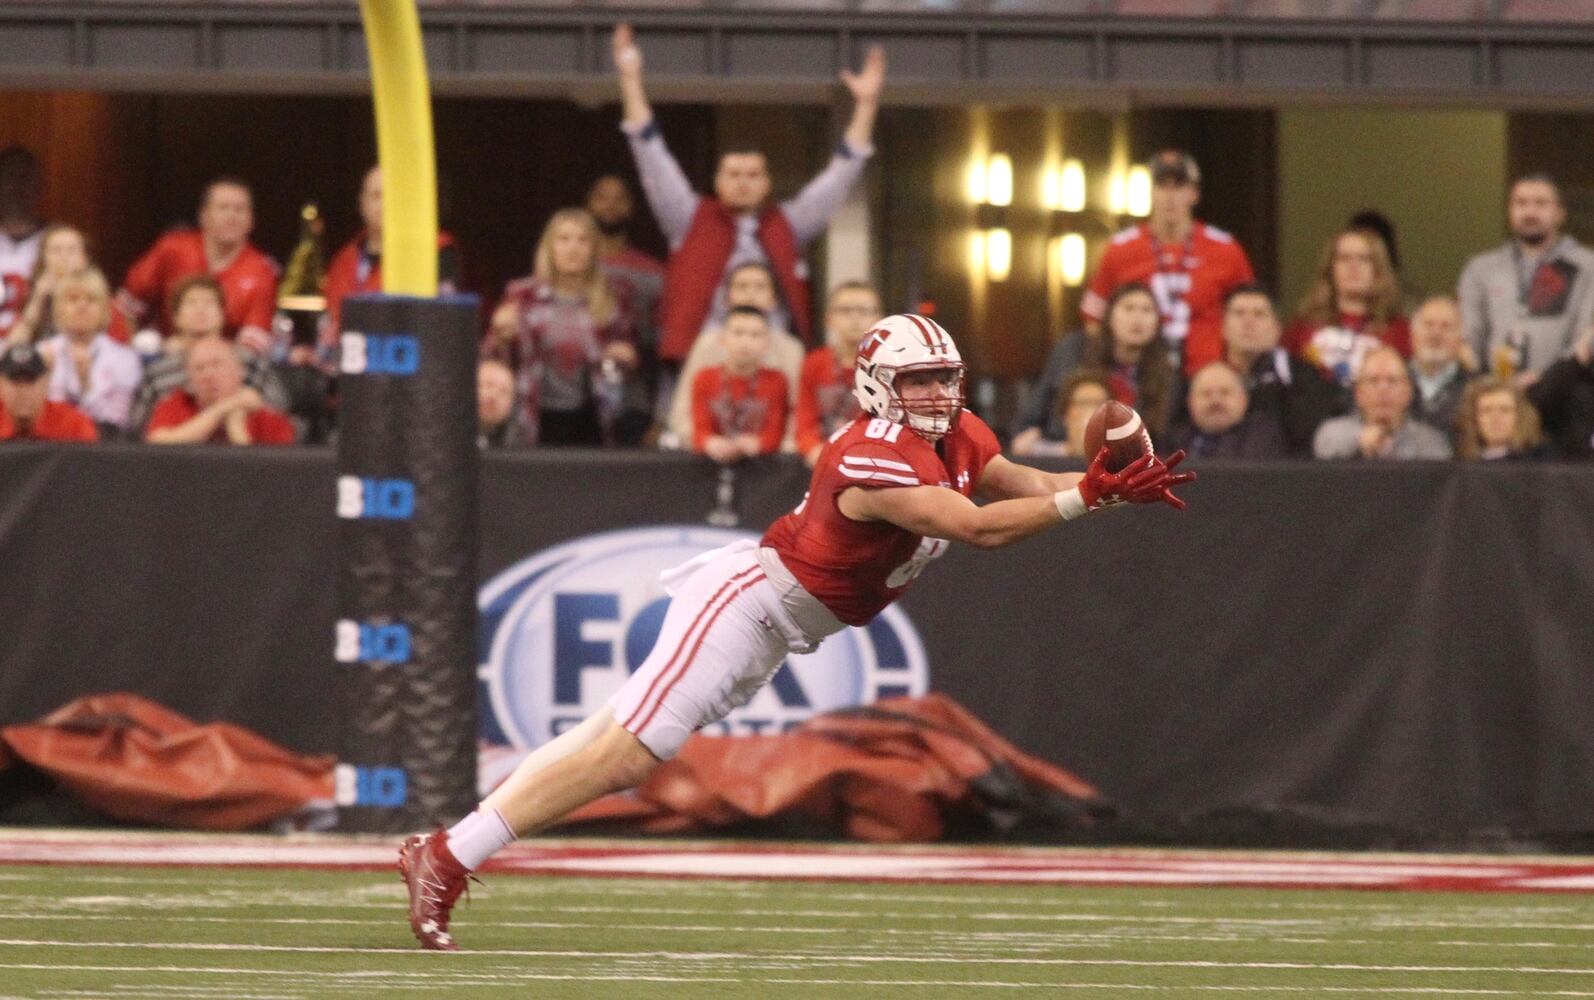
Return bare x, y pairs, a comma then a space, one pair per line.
685, 638
686, 664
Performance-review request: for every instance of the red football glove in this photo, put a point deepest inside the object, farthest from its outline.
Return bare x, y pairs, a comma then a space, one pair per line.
1148, 479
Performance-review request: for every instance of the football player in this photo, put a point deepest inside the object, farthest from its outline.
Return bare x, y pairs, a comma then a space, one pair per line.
890, 491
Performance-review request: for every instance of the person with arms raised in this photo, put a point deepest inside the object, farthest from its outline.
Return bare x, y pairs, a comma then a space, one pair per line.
711, 234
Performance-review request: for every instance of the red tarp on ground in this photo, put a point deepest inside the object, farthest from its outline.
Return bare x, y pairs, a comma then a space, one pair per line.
140, 762
900, 770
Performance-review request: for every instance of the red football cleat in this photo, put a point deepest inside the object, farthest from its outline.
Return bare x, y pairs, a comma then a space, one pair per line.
435, 879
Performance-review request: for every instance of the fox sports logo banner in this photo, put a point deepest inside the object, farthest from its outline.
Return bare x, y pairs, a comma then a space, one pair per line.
563, 629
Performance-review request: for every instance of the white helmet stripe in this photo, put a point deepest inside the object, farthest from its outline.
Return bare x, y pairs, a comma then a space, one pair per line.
928, 329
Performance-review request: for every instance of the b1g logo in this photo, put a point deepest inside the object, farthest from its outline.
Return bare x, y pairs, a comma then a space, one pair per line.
379, 354
371, 642
382, 787
383, 499
563, 629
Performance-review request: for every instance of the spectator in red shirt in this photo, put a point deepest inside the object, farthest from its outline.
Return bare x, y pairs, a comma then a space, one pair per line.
568, 336
216, 408
751, 284
1352, 307
198, 305
25, 412
825, 400
1188, 265
220, 247
739, 408
357, 267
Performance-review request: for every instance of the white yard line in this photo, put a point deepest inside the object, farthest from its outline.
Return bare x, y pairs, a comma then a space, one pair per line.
368, 980
982, 938
719, 956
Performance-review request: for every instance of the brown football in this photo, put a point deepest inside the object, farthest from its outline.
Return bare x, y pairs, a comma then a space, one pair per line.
1121, 430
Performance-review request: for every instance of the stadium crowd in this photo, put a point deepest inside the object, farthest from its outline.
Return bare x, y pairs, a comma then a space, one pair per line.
604, 345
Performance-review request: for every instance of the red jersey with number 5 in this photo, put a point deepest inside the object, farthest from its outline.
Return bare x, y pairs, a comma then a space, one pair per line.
1189, 281
856, 568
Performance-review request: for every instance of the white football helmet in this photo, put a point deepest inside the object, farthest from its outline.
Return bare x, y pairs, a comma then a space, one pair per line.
905, 343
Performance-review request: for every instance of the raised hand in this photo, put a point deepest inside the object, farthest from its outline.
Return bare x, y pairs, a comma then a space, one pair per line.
867, 83
627, 55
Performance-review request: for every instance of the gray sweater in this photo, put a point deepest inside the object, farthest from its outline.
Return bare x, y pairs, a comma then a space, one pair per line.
1341, 438
1491, 292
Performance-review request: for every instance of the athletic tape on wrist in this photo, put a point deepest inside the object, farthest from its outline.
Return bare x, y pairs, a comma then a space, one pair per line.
1070, 503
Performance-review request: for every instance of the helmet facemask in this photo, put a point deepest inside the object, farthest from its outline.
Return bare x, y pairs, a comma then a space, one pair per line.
933, 417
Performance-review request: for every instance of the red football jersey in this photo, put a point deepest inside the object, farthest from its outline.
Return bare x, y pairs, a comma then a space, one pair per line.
825, 399
1189, 281
726, 405
856, 568
248, 283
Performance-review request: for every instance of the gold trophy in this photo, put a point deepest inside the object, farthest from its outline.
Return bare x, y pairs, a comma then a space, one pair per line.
301, 297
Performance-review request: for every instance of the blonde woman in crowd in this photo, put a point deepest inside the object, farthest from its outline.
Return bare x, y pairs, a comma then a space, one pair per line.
1352, 307
88, 368
63, 250
1495, 421
567, 335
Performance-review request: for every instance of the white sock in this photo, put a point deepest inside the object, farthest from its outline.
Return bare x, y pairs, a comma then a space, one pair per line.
479, 836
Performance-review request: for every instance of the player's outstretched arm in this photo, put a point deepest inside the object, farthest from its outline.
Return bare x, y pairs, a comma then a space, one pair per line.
1003, 479
938, 512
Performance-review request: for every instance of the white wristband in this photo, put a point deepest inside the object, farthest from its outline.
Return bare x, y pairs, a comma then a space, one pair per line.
1070, 503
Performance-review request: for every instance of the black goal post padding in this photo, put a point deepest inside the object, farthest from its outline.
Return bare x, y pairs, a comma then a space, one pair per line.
406, 496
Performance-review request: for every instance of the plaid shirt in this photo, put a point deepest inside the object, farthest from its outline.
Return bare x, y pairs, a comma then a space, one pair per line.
555, 349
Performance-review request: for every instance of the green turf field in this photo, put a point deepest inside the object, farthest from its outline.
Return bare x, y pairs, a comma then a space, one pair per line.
264, 935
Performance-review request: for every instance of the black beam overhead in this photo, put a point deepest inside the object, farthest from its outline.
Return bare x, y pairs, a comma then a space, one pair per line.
726, 53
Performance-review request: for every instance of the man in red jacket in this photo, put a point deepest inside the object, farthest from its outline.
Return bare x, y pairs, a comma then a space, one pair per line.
709, 236
220, 247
